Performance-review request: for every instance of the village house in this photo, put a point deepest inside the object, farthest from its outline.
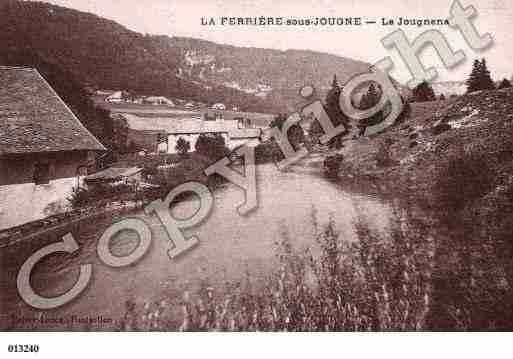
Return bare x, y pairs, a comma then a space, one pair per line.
233, 130
44, 149
244, 119
150, 141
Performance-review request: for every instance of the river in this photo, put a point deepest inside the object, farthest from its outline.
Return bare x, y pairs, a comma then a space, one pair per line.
229, 245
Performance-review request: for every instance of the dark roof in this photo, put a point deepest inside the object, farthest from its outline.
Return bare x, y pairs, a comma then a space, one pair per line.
33, 118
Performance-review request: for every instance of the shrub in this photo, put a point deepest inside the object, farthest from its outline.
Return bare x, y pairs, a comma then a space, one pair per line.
268, 152
82, 197
423, 92
505, 83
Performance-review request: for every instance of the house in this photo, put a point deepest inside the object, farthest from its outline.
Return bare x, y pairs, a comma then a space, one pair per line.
244, 119
44, 149
159, 100
116, 97
115, 176
190, 128
150, 141
219, 106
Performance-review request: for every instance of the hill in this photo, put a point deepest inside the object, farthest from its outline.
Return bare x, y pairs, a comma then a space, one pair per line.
103, 54
450, 164
258, 71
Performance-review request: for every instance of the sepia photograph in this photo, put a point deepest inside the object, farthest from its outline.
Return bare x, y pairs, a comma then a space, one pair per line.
255, 166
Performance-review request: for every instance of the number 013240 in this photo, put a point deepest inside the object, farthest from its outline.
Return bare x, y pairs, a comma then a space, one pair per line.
23, 348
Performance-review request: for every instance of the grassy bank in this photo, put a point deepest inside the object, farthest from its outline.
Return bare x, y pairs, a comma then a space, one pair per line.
453, 160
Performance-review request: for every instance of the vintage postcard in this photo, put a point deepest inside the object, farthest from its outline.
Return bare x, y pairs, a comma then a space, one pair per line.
255, 166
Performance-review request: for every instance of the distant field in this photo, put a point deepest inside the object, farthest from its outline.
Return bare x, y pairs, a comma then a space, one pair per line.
148, 110
145, 110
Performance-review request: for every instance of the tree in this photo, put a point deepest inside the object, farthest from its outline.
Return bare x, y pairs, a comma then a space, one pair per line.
505, 83
442, 97
212, 146
295, 134
423, 92
369, 100
479, 79
334, 112
486, 81
182, 146
473, 79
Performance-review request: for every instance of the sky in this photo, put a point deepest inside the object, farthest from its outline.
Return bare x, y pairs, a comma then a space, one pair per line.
183, 18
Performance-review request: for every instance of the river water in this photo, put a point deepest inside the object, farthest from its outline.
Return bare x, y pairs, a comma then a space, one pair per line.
229, 244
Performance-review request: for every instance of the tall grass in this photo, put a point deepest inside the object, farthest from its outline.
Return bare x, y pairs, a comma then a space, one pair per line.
374, 283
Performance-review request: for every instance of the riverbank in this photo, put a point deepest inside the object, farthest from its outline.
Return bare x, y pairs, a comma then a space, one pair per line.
452, 159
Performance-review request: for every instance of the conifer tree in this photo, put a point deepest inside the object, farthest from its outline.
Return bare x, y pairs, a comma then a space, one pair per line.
332, 103
473, 79
485, 80
369, 100
334, 112
479, 79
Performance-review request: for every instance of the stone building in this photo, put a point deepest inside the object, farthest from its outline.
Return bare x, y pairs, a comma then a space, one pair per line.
44, 149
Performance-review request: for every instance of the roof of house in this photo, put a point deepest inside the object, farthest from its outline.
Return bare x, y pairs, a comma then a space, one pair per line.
113, 174
34, 119
158, 98
258, 119
188, 126
171, 126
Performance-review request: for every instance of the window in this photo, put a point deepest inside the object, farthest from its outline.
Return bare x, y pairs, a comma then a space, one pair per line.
42, 173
